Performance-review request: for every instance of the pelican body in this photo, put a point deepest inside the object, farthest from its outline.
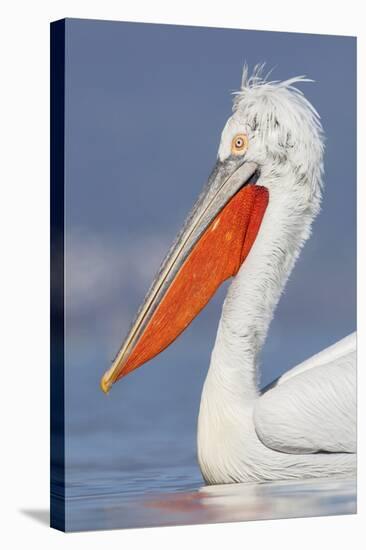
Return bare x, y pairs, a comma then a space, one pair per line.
250, 224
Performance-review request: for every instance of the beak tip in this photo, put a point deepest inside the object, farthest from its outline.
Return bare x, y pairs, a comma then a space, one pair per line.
105, 383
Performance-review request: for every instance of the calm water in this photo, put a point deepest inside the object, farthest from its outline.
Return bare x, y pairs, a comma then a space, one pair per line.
131, 462
106, 494
213, 504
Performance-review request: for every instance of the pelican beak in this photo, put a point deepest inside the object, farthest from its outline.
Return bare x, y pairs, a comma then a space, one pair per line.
211, 247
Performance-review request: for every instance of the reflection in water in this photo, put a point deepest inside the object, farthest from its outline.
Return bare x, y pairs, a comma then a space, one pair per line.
221, 503
133, 470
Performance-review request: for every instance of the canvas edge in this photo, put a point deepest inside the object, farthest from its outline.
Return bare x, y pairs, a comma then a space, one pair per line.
57, 365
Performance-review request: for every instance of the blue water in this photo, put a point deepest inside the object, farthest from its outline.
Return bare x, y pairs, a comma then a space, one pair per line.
131, 457
177, 496
155, 481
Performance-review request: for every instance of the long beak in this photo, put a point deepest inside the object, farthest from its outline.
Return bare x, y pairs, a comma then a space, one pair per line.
211, 247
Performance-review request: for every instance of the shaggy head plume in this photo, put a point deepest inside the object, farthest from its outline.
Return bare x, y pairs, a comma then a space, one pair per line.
283, 127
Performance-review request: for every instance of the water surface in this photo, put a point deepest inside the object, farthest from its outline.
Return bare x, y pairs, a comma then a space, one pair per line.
137, 496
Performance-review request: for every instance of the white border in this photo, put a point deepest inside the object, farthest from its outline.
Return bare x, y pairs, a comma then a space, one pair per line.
25, 263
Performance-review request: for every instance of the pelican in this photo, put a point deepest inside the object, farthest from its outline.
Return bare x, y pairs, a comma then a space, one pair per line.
249, 224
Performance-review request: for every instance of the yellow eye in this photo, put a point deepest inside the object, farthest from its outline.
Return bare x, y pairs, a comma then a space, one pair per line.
239, 144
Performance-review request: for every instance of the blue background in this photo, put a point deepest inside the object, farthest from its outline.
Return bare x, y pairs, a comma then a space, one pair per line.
145, 106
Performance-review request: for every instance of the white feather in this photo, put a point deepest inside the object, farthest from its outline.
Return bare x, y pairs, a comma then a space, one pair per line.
312, 411
238, 439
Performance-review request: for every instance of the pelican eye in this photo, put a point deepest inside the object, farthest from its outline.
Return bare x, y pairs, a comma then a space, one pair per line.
239, 144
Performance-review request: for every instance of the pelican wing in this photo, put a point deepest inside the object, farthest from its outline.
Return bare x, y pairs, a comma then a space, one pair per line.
312, 408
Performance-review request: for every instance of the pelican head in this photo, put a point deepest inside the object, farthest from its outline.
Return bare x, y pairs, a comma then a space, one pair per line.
271, 147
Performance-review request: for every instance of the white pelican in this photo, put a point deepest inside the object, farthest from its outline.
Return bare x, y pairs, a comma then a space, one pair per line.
250, 223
